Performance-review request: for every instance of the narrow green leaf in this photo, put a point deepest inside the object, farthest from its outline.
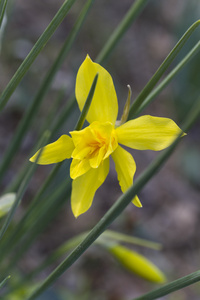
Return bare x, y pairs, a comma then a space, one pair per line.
37, 101
39, 45
171, 287
14, 185
114, 38
163, 67
6, 202
87, 104
118, 206
21, 192
119, 32
73, 242
33, 212
120, 237
52, 258
58, 253
3, 4
35, 226
37, 207
2, 29
167, 79
4, 281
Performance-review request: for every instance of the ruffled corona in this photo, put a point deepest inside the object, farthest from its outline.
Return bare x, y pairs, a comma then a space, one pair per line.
93, 144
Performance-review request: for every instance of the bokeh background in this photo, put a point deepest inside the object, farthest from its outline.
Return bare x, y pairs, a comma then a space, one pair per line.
171, 210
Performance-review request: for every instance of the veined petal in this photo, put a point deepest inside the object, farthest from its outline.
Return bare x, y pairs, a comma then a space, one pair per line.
125, 167
85, 186
148, 133
79, 167
81, 136
81, 152
97, 159
104, 106
55, 152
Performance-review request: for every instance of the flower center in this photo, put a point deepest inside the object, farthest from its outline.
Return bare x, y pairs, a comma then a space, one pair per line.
94, 143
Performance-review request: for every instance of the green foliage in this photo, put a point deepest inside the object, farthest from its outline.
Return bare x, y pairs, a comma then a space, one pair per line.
18, 234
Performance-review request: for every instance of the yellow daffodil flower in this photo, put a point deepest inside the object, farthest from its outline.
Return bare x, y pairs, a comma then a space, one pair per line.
91, 147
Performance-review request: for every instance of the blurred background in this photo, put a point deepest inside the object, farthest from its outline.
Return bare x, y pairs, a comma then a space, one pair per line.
171, 211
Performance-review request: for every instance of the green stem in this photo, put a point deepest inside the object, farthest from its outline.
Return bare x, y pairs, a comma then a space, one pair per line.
4, 281
33, 108
116, 209
39, 45
52, 258
14, 185
171, 287
37, 208
108, 235
32, 214
104, 53
163, 67
3, 4
52, 206
166, 81
86, 107
120, 237
119, 32
21, 190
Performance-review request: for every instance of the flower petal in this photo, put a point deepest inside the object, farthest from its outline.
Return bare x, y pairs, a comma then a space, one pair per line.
104, 106
136, 201
79, 167
125, 167
97, 159
85, 186
55, 152
148, 133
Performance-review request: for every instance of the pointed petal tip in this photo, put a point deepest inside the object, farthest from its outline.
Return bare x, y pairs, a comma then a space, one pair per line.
137, 202
88, 57
32, 159
76, 213
184, 133
138, 205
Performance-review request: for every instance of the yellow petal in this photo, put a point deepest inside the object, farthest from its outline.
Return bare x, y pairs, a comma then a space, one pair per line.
85, 186
125, 167
97, 159
136, 201
148, 133
137, 263
104, 106
79, 167
55, 152
81, 140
